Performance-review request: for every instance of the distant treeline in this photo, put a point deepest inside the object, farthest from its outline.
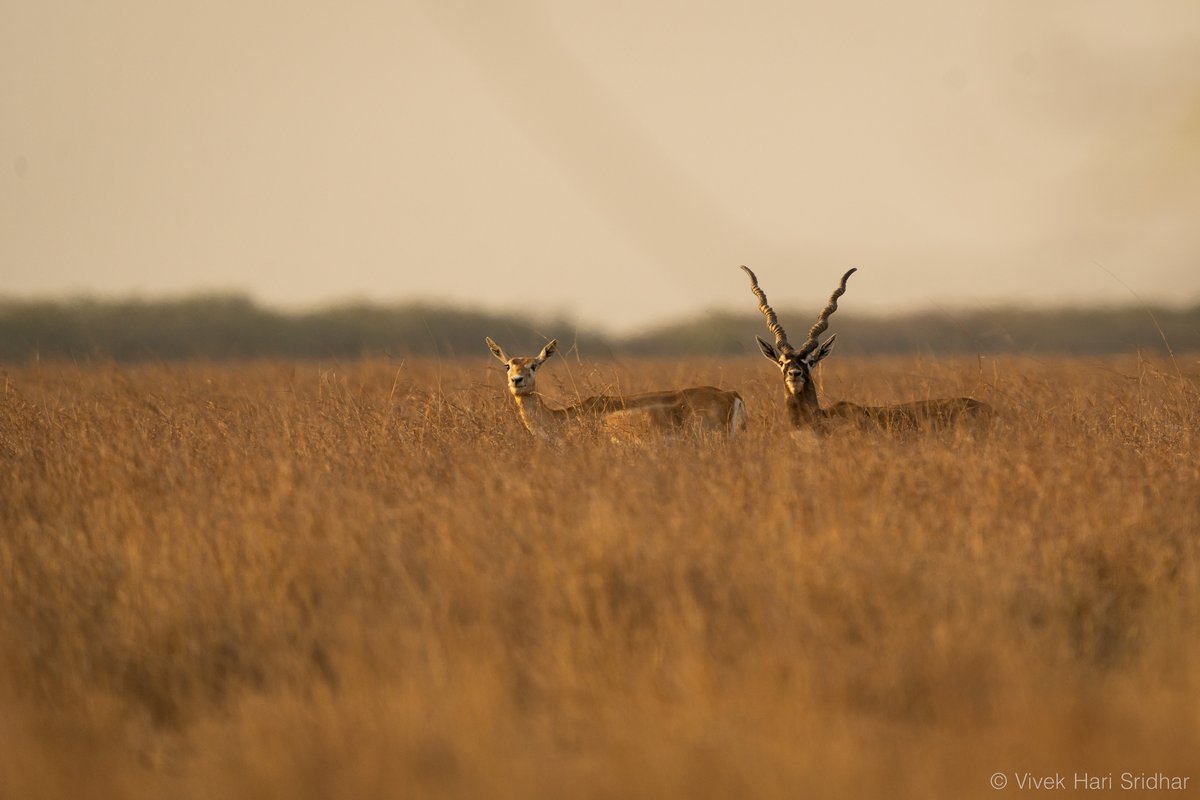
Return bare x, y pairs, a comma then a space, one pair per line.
233, 327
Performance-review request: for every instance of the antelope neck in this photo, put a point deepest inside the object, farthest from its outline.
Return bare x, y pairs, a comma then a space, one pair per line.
803, 408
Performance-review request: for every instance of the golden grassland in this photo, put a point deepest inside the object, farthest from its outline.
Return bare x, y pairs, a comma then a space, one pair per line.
365, 579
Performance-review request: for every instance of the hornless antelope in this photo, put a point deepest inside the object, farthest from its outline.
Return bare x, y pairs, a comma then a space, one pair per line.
700, 408
803, 409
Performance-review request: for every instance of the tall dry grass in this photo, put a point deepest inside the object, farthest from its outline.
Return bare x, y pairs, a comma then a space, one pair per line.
366, 580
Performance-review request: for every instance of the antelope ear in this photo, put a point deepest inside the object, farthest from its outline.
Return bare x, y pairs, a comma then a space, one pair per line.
548, 350
496, 349
822, 351
767, 350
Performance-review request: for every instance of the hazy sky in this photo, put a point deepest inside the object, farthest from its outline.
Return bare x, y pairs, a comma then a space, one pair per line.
616, 161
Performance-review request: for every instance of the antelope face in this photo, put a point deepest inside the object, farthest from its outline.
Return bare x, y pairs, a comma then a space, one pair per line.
522, 370
796, 373
522, 375
796, 367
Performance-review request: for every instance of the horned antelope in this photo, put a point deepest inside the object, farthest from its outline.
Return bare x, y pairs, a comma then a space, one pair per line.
699, 408
803, 409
